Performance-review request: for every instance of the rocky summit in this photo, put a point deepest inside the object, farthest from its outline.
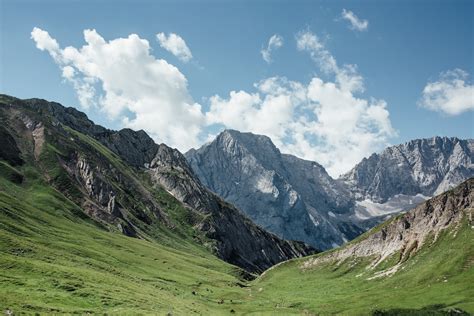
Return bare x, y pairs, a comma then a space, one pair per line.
291, 197
422, 166
297, 199
240, 241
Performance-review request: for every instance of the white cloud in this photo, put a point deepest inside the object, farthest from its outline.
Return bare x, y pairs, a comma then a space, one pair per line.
356, 23
275, 42
451, 94
121, 76
45, 42
321, 120
346, 76
176, 45
266, 111
347, 127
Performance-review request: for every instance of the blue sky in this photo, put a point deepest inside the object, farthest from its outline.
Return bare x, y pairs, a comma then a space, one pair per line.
296, 99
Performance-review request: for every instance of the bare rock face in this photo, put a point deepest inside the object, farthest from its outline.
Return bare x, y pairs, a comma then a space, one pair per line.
169, 168
297, 199
422, 166
99, 200
238, 240
135, 147
96, 187
291, 197
408, 233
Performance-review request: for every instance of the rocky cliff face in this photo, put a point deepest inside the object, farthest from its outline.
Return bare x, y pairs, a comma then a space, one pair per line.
291, 197
422, 166
408, 233
297, 199
108, 174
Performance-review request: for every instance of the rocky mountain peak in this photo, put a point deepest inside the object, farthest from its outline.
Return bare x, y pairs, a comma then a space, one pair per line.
248, 170
292, 197
135, 147
66, 115
422, 166
248, 140
239, 241
238, 145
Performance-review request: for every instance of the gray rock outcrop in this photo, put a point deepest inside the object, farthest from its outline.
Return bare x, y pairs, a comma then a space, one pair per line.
297, 199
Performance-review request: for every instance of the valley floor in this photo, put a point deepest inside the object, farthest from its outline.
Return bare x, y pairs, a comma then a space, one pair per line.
53, 260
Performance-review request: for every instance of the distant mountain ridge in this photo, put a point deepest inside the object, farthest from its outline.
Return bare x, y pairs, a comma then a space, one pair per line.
248, 170
421, 166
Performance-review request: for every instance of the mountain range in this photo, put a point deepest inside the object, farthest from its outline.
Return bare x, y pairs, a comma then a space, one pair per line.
297, 199
100, 221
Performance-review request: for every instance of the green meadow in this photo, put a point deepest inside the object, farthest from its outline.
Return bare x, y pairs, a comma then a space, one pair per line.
56, 260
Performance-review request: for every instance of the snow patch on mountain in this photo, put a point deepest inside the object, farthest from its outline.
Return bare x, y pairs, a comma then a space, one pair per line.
367, 209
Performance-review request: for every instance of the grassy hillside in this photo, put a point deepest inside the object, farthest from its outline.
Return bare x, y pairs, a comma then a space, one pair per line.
127, 183
54, 259
439, 277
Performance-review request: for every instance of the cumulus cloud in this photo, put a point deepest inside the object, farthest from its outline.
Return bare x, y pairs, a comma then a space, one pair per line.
44, 41
121, 77
269, 110
321, 120
176, 45
275, 42
451, 94
355, 23
346, 76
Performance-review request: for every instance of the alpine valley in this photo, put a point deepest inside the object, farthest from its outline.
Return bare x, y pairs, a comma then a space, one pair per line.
100, 221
